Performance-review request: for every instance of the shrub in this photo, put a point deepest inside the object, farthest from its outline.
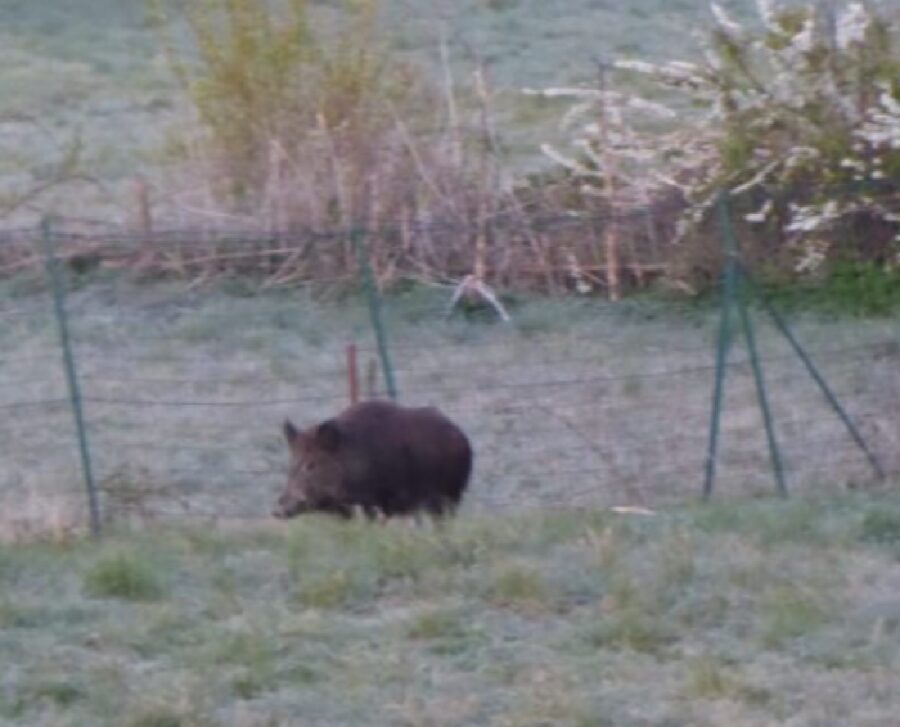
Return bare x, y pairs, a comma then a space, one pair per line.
801, 123
269, 81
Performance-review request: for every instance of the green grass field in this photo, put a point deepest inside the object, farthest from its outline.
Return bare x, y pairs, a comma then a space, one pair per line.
748, 613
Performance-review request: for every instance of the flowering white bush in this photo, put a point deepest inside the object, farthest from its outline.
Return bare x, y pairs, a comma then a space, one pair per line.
803, 115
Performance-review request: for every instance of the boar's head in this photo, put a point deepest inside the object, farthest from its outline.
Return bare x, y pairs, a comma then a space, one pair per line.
315, 478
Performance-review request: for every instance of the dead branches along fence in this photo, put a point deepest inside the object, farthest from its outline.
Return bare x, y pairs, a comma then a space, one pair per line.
509, 250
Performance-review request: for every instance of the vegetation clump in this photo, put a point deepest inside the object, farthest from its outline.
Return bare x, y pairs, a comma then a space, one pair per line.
799, 120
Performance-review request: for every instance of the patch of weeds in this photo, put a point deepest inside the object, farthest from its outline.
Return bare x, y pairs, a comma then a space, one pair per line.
206, 541
606, 548
521, 587
406, 553
788, 614
163, 629
769, 523
339, 565
13, 616
551, 696
853, 648
476, 539
60, 692
444, 630
435, 623
247, 685
562, 708
854, 289
708, 678
703, 610
632, 629
252, 654
630, 619
749, 570
792, 523
677, 561
163, 715
124, 575
532, 534
301, 674
337, 588
556, 528
881, 526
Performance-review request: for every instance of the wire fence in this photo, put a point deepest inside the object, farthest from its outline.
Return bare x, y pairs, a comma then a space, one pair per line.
169, 401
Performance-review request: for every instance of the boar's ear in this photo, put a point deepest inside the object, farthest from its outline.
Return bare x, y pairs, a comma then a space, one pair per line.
328, 435
291, 433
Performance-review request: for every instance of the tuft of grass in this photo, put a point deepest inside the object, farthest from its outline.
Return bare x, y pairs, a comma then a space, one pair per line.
340, 588
770, 522
436, 623
407, 554
631, 629
13, 616
61, 692
521, 587
247, 658
163, 715
445, 631
790, 613
678, 561
125, 575
709, 678
881, 526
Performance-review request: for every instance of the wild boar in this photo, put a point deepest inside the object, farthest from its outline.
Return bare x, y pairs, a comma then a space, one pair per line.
378, 456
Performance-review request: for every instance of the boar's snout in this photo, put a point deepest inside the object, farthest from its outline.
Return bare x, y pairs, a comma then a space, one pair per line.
288, 508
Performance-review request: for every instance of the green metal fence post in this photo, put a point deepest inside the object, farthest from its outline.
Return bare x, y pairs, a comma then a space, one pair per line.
374, 300
730, 239
761, 395
818, 378
56, 281
723, 343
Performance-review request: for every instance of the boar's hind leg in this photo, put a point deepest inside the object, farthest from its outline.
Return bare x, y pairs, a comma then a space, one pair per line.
440, 509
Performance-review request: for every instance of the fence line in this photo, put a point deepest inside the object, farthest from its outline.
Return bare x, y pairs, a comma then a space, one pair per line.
848, 354
546, 398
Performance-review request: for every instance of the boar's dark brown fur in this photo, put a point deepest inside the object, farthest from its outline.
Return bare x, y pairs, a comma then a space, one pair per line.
378, 456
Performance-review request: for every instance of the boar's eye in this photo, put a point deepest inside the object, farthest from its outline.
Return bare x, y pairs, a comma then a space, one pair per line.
309, 466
